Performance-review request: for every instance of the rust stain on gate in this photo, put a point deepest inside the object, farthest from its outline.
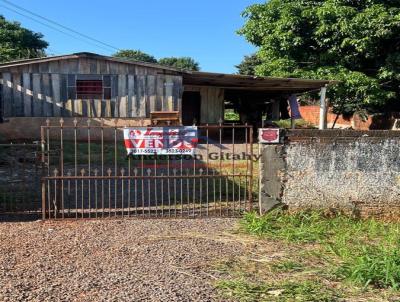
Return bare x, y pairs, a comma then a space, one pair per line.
89, 175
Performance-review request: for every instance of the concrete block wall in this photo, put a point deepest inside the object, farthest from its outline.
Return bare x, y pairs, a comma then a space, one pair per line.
354, 171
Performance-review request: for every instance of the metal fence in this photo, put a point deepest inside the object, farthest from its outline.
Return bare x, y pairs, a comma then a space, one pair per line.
89, 175
20, 174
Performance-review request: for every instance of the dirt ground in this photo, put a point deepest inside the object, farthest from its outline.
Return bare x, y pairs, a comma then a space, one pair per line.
114, 260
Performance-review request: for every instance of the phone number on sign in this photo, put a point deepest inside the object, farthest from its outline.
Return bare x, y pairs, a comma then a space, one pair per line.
162, 151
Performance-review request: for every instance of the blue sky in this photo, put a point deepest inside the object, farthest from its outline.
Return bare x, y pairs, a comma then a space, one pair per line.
202, 29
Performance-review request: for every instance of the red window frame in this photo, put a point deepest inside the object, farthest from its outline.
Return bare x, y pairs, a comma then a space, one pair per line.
89, 89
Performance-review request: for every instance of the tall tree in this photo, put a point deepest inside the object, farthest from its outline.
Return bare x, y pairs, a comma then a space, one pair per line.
354, 41
17, 42
249, 64
135, 55
186, 63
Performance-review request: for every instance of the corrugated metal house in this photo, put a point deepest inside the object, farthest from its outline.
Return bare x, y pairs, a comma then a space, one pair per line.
88, 85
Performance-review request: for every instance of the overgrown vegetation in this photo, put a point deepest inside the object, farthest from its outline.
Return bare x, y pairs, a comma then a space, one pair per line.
300, 123
321, 251
355, 42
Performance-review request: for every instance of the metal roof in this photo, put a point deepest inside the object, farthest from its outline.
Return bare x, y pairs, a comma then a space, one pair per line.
199, 78
243, 82
88, 55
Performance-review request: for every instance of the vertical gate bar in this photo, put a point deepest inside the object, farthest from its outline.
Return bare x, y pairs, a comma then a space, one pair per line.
207, 169
89, 167
115, 167
233, 169
194, 184
62, 166
48, 162
135, 172
227, 194
251, 169
169, 184
82, 192
37, 177
181, 185
162, 194
129, 185
200, 190
102, 167
69, 192
109, 191
76, 168
95, 191
155, 183
24, 205
68, 197
142, 168
122, 191
115, 194
43, 200
89, 201
220, 166
239, 188
38, 181
187, 192
55, 194
175, 204
214, 189
149, 190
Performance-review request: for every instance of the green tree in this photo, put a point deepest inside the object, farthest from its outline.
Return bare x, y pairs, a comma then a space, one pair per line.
248, 65
354, 41
17, 42
186, 63
135, 55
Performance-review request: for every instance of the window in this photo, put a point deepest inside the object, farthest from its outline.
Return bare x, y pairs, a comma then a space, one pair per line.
89, 89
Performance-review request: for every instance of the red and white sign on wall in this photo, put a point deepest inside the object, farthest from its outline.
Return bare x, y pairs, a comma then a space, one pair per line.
161, 140
268, 135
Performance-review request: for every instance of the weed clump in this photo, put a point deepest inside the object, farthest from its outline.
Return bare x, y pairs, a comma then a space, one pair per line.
365, 252
279, 291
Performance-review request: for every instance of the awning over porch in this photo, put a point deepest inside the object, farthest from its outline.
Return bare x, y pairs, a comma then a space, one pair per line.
251, 96
253, 83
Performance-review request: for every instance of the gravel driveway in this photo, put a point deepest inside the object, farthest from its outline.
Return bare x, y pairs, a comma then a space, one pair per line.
114, 260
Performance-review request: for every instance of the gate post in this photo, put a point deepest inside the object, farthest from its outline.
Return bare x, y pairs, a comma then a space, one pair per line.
272, 164
42, 143
251, 169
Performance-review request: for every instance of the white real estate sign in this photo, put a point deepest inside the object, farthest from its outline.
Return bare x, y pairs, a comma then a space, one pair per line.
161, 140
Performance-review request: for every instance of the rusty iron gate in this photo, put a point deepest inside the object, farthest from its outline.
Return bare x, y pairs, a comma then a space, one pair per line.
89, 175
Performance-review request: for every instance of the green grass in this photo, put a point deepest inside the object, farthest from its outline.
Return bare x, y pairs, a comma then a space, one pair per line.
299, 124
311, 291
378, 266
368, 251
313, 256
287, 266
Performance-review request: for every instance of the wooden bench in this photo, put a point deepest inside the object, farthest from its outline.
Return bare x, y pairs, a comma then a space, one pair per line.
165, 118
